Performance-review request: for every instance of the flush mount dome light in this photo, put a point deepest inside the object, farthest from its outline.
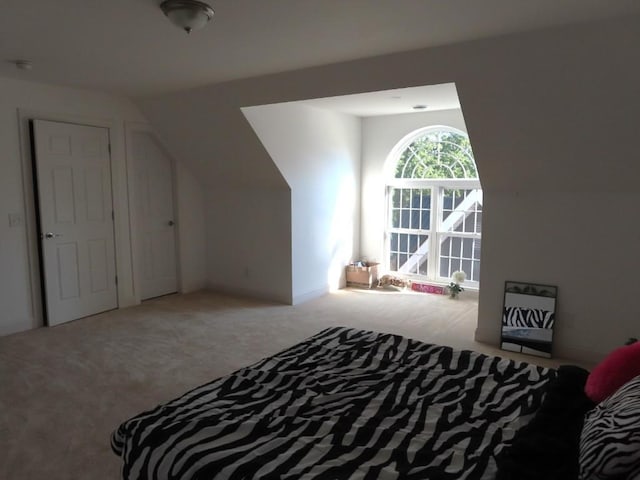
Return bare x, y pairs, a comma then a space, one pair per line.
187, 14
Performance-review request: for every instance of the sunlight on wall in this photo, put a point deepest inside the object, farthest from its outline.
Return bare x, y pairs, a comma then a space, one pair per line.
341, 235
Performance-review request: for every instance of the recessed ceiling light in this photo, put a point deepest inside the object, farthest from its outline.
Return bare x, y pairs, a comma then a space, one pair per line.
420, 107
396, 97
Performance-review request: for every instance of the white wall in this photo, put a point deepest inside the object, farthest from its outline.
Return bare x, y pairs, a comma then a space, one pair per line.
247, 201
584, 242
192, 230
379, 136
548, 113
318, 153
249, 242
19, 286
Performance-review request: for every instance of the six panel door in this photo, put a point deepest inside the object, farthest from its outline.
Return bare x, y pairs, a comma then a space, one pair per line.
154, 225
73, 174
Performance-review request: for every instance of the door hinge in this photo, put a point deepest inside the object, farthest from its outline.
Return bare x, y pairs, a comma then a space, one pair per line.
109, 147
113, 215
116, 279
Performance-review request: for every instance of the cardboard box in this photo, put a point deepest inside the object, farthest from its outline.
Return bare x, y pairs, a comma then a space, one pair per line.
363, 277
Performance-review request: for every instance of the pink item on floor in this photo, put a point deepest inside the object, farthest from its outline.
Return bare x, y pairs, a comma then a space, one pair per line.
425, 288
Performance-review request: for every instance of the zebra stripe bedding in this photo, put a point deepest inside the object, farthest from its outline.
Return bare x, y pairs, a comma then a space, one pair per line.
527, 317
343, 404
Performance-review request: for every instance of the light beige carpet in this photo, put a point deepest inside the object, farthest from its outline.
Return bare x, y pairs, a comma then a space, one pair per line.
64, 389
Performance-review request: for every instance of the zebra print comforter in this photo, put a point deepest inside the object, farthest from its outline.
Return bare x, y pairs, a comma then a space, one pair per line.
345, 403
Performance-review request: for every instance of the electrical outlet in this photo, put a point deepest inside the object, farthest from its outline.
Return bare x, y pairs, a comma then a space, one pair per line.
15, 220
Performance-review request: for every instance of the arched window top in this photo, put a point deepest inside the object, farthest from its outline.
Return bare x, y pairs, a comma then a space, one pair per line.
435, 152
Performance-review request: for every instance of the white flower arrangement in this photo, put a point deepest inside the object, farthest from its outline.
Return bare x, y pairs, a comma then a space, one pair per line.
457, 278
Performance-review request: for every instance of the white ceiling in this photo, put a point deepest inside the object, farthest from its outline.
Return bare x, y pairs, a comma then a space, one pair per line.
128, 46
389, 102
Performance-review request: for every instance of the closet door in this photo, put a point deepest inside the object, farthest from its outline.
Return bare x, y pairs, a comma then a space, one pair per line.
75, 211
154, 217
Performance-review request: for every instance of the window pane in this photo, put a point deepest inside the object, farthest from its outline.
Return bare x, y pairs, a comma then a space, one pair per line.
393, 261
406, 198
476, 271
455, 264
467, 247
405, 218
445, 246
393, 242
403, 243
447, 200
470, 222
395, 218
476, 249
426, 217
395, 198
415, 219
455, 247
415, 198
466, 267
444, 267
413, 243
422, 266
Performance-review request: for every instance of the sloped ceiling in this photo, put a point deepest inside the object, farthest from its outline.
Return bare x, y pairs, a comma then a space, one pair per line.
528, 101
129, 47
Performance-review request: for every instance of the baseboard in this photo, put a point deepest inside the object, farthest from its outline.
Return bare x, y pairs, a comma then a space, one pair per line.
580, 356
490, 337
250, 293
305, 297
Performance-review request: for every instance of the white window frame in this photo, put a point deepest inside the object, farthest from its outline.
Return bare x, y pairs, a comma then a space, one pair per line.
436, 185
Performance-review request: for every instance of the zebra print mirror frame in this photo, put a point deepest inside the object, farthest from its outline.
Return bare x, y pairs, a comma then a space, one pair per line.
528, 317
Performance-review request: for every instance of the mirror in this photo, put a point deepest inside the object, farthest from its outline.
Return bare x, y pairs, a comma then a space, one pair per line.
527, 318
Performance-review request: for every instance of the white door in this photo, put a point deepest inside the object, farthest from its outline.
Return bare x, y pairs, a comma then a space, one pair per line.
73, 173
154, 219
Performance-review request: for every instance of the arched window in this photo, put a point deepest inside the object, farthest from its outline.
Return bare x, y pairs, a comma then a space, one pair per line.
434, 203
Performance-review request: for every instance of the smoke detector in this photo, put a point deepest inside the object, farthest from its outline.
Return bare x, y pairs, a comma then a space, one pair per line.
23, 64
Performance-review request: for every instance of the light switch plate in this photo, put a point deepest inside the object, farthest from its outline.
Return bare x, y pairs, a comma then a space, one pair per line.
15, 220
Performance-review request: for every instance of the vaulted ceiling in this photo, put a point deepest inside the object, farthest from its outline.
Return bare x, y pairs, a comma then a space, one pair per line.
129, 47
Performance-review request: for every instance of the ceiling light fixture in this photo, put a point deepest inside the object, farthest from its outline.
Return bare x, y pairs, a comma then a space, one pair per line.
420, 107
189, 15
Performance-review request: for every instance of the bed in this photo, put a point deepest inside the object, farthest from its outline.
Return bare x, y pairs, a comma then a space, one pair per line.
344, 403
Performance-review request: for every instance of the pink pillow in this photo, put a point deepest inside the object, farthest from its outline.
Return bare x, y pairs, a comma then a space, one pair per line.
615, 370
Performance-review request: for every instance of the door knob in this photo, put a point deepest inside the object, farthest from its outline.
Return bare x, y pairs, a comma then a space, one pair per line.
171, 224
52, 235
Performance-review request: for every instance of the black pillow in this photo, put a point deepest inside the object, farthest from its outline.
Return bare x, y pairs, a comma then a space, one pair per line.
548, 447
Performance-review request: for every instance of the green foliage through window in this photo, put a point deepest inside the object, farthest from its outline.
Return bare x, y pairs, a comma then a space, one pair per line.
437, 154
